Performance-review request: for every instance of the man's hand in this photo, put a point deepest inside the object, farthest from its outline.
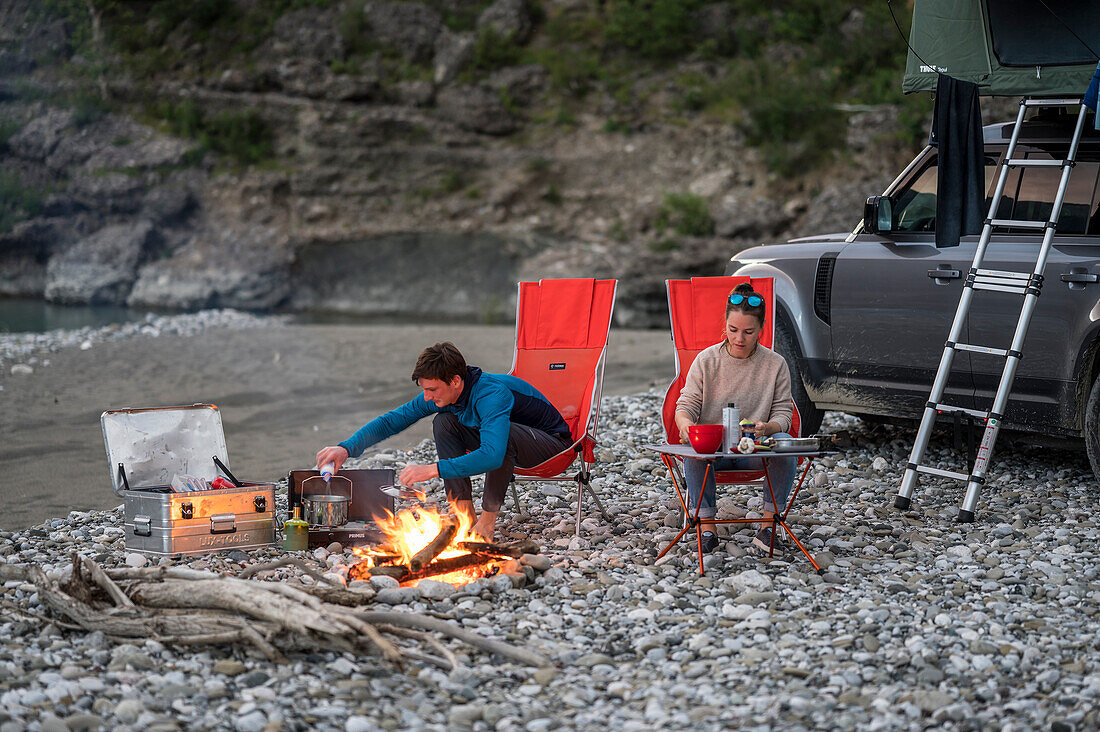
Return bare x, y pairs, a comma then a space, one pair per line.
413, 474
333, 454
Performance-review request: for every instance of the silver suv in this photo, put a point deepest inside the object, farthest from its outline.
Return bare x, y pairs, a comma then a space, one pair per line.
863, 317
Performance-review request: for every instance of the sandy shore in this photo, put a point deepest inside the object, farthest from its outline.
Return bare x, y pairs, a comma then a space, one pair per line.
284, 392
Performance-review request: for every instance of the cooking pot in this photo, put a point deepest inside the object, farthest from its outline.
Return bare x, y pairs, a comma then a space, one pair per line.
796, 444
325, 509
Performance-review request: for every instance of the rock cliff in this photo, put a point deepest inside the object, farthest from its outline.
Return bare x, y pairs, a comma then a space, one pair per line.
386, 158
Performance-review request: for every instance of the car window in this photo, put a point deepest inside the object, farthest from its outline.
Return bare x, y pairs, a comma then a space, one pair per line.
1029, 193
914, 205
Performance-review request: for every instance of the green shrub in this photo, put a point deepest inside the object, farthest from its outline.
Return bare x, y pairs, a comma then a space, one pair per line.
243, 136
791, 118
686, 214
493, 51
8, 127
663, 246
355, 30
87, 108
573, 71
17, 201
657, 29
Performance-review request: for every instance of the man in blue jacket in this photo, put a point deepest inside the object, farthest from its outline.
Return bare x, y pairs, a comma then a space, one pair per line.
484, 423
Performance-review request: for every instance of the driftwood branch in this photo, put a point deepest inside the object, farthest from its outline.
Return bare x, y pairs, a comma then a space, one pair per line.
422, 622
288, 562
100, 578
186, 607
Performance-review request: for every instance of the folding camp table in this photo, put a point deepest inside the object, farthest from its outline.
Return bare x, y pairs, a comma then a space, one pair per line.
668, 454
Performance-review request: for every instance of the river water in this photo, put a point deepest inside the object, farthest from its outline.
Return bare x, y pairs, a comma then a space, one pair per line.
37, 316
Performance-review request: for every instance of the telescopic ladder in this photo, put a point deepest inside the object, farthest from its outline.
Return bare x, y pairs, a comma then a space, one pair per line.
1021, 283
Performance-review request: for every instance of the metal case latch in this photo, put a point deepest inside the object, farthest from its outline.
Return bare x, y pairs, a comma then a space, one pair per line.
187, 510
260, 503
143, 526
223, 523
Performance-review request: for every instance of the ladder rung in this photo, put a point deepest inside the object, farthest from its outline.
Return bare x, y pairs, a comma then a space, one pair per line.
1052, 102
952, 408
981, 349
1004, 274
942, 473
1019, 224
1014, 289
1031, 163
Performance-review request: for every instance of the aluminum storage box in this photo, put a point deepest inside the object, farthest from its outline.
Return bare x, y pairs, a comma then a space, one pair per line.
147, 447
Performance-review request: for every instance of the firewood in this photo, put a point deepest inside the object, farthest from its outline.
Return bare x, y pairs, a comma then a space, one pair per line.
515, 549
397, 571
450, 564
434, 548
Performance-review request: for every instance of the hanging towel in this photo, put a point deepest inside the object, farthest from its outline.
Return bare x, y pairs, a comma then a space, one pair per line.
960, 188
1091, 94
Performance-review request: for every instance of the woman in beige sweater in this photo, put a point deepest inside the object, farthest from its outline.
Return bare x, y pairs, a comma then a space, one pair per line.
758, 381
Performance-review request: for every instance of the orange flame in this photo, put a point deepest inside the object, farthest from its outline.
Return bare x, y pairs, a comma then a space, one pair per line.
411, 529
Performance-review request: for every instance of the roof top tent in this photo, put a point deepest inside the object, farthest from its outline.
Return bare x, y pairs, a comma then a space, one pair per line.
1006, 47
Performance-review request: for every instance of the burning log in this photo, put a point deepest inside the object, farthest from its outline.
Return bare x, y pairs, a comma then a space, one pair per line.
403, 574
435, 547
515, 549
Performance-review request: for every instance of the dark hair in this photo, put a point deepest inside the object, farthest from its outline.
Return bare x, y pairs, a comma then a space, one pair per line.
743, 307
441, 361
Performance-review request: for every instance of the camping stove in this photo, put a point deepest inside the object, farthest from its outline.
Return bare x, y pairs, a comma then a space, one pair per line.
368, 504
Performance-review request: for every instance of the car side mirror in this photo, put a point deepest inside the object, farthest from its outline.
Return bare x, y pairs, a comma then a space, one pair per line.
878, 214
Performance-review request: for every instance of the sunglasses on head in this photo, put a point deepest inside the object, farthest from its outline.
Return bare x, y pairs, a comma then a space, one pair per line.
754, 300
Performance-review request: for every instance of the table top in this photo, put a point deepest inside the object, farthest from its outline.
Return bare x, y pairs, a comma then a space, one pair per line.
687, 451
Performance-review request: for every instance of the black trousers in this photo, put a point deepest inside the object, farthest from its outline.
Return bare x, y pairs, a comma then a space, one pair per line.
527, 447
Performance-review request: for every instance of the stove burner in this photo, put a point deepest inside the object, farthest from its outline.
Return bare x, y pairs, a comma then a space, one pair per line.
353, 533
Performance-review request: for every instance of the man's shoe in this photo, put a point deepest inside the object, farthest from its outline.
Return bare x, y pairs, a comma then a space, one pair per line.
762, 542
710, 542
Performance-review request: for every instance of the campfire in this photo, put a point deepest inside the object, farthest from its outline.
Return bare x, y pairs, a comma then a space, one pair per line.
422, 543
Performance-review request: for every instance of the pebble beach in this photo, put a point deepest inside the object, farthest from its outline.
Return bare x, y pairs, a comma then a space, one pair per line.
916, 622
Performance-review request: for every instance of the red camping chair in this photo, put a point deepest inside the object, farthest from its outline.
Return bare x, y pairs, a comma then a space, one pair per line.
561, 338
696, 309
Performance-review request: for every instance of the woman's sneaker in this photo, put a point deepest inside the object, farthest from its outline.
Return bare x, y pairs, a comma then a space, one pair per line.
710, 541
762, 542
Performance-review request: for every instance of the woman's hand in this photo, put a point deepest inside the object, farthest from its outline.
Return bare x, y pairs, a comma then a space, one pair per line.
683, 421
760, 428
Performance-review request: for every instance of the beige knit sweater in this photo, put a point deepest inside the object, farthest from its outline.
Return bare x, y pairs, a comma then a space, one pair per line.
760, 386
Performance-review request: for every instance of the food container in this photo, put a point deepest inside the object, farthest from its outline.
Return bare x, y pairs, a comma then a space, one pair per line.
797, 444
147, 447
324, 509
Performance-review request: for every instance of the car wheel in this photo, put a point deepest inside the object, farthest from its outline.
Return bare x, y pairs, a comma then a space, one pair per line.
1092, 427
785, 344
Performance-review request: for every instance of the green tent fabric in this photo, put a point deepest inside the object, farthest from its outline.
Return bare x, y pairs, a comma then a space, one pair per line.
1006, 47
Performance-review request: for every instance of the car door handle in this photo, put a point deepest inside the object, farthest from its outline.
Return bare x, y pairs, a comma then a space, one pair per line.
1080, 277
944, 274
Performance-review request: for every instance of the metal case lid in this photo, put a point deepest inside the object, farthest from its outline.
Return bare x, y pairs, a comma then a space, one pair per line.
154, 444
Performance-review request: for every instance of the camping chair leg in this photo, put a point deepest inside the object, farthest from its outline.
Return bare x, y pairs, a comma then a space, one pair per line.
580, 497
515, 497
587, 480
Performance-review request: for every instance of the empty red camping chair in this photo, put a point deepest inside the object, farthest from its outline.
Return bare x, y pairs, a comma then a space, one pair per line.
561, 340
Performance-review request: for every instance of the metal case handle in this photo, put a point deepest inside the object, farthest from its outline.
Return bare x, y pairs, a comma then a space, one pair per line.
223, 523
143, 526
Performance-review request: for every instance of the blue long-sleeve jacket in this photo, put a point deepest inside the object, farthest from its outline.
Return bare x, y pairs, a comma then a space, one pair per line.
488, 403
